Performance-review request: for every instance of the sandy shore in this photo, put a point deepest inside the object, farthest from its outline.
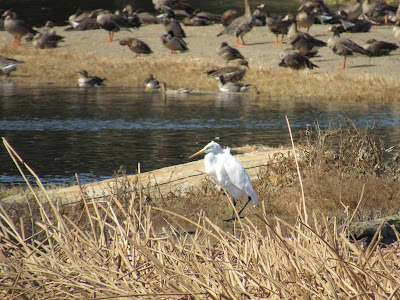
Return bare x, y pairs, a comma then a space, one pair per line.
202, 42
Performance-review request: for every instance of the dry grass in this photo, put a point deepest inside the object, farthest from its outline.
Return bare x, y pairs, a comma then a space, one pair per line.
60, 68
114, 248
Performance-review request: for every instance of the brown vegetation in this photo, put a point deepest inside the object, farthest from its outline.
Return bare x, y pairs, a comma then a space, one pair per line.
135, 244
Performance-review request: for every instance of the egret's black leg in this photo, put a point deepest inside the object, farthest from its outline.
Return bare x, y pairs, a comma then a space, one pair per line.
244, 206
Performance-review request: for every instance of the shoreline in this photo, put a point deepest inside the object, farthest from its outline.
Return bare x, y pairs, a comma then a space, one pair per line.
365, 78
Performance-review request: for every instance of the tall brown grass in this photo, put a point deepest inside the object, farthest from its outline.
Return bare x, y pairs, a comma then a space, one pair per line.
48, 65
111, 248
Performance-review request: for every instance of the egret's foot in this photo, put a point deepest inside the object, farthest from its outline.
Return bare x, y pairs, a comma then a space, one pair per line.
231, 219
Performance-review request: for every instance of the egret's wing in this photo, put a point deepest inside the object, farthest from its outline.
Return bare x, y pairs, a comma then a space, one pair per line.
235, 176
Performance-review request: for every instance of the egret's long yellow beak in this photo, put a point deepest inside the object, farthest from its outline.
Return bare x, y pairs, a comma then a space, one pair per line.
198, 153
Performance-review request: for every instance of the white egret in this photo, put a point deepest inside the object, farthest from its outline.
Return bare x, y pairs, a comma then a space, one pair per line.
229, 172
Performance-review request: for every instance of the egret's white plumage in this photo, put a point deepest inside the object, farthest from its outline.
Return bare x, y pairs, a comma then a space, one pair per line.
229, 172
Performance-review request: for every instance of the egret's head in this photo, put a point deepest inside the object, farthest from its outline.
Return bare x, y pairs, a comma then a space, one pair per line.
211, 147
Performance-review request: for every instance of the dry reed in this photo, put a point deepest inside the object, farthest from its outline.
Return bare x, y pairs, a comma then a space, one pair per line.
60, 68
111, 250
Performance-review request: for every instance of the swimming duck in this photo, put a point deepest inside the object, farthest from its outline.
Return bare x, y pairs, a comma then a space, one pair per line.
7, 65
228, 86
174, 43
113, 23
17, 28
172, 24
165, 90
303, 41
136, 45
344, 46
233, 73
379, 48
240, 26
295, 60
228, 53
88, 81
151, 83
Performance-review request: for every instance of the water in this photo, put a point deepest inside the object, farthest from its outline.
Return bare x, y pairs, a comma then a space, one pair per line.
92, 132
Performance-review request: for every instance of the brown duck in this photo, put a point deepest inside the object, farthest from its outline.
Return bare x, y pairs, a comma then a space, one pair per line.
136, 45
233, 73
174, 43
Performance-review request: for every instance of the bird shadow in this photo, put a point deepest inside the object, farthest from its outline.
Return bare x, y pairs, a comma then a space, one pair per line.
363, 66
258, 43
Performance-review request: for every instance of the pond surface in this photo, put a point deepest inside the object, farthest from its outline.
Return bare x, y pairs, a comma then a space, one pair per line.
92, 132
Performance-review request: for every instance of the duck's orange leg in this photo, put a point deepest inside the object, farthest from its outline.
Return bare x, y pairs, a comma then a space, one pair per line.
344, 64
237, 42
110, 37
277, 41
16, 43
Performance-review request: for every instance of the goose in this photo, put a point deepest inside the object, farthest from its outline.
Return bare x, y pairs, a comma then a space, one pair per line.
359, 25
113, 23
379, 48
260, 15
233, 73
136, 45
228, 16
7, 65
314, 6
88, 81
196, 21
83, 20
344, 46
240, 26
305, 20
279, 26
164, 5
47, 37
212, 17
295, 60
228, 86
172, 25
144, 17
151, 83
302, 41
228, 53
351, 10
174, 43
17, 28
377, 11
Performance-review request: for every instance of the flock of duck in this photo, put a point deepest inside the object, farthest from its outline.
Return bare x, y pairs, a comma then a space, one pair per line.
357, 16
